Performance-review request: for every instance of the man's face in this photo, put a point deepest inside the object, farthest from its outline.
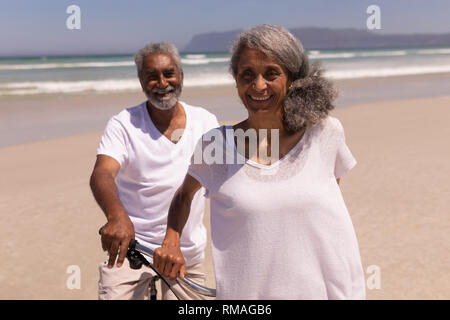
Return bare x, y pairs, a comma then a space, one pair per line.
161, 80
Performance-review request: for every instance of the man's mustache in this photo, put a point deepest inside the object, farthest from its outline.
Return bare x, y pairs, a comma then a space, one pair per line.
168, 89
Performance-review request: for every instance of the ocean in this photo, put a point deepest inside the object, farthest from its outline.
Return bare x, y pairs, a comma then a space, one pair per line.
102, 74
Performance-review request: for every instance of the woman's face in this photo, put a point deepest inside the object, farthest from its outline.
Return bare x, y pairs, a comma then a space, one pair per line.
262, 83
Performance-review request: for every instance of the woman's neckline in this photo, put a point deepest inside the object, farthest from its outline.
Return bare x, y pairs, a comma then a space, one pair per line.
242, 158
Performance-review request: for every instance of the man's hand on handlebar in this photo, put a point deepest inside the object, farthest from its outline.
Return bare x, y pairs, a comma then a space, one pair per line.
116, 236
169, 261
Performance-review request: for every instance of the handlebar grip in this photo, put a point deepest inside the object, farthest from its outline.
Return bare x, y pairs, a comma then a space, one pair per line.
132, 244
147, 251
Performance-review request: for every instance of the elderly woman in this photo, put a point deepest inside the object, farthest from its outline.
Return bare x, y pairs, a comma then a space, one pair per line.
280, 228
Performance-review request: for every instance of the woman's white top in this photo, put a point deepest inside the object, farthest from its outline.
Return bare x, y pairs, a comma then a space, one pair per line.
281, 231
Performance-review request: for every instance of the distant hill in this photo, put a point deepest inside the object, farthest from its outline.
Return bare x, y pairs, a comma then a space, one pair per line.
212, 41
324, 38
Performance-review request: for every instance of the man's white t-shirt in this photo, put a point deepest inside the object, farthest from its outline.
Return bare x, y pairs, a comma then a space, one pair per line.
282, 231
151, 169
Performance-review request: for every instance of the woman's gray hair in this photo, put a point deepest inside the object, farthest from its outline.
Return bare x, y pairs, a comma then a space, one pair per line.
310, 96
161, 47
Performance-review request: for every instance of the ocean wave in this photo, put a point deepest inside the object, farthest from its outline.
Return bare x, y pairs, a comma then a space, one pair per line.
434, 51
383, 53
65, 65
218, 79
195, 56
197, 61
348, 55
386, 72
108, 85
197, 80
343, 55
49, 87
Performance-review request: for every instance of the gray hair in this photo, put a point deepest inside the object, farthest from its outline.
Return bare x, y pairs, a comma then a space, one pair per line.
161, 47
310, 96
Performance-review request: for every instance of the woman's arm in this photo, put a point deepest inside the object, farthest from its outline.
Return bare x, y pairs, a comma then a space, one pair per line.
168, 259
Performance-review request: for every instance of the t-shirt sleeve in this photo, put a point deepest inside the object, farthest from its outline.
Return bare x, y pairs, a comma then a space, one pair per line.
114, 142
198, 169
202, 160
344, 158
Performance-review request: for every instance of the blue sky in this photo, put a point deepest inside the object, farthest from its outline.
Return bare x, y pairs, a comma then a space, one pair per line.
39, 27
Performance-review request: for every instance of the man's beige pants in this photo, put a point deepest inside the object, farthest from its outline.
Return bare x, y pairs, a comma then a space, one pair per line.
125, 283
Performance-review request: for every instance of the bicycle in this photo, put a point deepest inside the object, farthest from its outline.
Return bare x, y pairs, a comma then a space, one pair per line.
135, 256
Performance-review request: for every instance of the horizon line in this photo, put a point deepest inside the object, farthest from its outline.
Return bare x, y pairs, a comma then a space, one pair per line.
182, 51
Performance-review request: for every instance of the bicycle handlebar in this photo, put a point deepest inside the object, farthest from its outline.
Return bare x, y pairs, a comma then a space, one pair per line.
136, 246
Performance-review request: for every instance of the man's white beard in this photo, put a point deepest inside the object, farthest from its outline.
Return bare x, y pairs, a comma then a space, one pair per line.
165, 103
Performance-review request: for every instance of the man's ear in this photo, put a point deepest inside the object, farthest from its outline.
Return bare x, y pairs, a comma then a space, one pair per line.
182, 77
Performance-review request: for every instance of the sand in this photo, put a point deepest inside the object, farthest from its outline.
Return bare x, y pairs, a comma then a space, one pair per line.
398, 197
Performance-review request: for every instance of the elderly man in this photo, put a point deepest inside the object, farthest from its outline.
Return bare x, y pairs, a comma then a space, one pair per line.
142, 159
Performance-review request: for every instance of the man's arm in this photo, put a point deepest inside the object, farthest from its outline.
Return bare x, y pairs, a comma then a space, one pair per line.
118, 231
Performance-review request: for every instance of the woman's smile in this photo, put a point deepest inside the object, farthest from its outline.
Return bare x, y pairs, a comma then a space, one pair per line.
260, 99
259, 102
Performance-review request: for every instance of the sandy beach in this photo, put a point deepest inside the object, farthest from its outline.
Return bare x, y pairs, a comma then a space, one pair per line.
398, 195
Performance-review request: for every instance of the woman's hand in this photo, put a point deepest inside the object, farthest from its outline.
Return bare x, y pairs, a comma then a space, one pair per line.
169, 260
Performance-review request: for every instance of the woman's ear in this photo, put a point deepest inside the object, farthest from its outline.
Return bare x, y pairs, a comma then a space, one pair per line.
289, 83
